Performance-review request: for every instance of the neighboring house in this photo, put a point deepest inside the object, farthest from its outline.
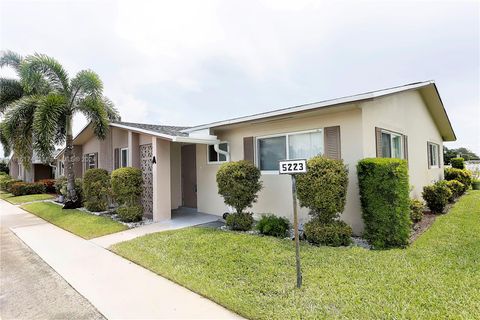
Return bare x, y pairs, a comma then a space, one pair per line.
38, 170
180, 164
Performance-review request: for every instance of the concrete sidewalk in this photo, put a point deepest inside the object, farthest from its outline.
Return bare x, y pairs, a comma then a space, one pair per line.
179, 220
118, 288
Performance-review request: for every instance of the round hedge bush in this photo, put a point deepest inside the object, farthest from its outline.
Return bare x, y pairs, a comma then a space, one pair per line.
127, 185
238, 183
458, 163
335, 233
436, 196
416, 210
463, 176
242, 221
323, 188
130, 213
271, 225
96, 189
457, 188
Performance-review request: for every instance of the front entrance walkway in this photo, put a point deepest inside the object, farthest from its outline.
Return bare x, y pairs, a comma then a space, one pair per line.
181, 218
118, 288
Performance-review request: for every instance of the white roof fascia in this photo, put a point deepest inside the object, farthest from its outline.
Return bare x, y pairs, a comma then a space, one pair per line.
306, 107
212, 140
153, 133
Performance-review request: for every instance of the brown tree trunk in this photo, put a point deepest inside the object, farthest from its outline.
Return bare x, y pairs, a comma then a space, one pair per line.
71, 199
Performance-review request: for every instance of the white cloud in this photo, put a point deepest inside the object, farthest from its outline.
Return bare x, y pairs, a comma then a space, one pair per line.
187, 62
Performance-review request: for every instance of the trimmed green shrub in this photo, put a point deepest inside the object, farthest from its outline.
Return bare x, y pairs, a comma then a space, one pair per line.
457, 163
456, 188
127, 185
416, 210
130, 213
6, 184
59, 184
61, 187
335, 233
323, 188
384, 195
238, 183
49, 185
463, 176
436, 196
96, 189
271, 225
4, 168
127, 190
242, 221
24, 188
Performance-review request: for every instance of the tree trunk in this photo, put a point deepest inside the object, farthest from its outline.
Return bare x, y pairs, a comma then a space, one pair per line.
71, 199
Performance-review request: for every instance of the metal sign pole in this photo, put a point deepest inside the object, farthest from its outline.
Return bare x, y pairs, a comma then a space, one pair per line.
295, 229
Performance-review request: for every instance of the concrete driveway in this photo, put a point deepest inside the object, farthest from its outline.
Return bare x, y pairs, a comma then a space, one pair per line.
29, 287
118, 288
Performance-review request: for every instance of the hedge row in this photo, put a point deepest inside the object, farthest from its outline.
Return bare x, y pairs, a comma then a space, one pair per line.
384, 195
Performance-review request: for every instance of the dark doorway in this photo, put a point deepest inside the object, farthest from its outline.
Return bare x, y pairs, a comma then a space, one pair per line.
189, 176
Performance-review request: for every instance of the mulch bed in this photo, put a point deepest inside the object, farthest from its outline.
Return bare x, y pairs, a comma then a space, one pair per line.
421, 226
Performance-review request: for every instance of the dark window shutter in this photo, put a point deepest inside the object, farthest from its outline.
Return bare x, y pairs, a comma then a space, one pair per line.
332, 142
248, 149
439, 160
378, 142
405, 147
116, 158
96, 159
428, 154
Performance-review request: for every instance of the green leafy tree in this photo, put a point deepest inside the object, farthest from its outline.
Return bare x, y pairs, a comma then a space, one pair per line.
17, 105
52, 121
466, 154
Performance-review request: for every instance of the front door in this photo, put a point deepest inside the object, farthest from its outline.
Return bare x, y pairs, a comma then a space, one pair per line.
189, 176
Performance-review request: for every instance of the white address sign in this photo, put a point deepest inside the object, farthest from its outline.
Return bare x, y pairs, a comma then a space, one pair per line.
292, 166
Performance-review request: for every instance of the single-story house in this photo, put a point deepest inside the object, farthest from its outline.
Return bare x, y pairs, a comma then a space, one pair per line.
38, 170
179, 164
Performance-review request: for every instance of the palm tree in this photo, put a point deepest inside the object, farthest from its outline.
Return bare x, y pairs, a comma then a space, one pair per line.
53, 115
17, 104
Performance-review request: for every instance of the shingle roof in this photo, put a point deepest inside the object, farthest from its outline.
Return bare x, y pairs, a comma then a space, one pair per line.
169, 130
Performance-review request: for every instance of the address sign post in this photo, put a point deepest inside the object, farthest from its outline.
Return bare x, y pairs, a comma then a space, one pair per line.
294, 167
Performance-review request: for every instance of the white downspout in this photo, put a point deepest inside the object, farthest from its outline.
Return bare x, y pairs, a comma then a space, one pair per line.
216, 147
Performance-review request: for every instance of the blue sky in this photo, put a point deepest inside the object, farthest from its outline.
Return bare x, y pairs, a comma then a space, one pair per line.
192, 62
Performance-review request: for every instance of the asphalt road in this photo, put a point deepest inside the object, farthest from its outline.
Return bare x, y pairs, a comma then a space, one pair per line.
30, 288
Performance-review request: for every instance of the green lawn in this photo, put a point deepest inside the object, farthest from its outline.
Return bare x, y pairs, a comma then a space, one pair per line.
437, 277
24, 199
5, 195
77, 222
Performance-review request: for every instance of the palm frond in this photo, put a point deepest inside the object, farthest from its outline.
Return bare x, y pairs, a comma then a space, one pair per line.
12, 59
5, 140
17, 127
95, 111
10, 90
49, 68
50, 110
112, 112
86, 83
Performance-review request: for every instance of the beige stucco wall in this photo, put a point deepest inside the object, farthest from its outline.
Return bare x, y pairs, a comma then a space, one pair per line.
161, 180
275, 196
405, 113
176, 174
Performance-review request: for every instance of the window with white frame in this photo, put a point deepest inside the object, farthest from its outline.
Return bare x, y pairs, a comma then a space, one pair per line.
61, 168
124, 157
215, 157
392, 145
90, 161
433, 154
296, 145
